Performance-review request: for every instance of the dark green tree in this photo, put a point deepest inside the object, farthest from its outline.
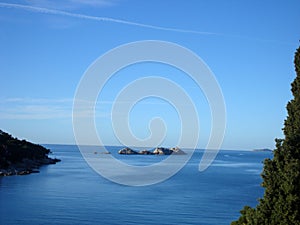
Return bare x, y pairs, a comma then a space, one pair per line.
281, 175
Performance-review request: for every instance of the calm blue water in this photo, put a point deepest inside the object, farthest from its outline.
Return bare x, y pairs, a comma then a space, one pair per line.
70, 192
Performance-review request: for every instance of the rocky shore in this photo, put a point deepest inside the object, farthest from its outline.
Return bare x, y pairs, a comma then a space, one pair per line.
157, 151
27, 166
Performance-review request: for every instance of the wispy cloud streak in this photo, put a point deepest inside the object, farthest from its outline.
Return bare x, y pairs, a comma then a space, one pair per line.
96, 18
70, 4
26, 108
39, 108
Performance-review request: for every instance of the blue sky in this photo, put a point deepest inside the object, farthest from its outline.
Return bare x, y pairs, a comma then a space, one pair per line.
249, 46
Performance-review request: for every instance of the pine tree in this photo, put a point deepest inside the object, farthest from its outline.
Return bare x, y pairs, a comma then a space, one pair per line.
281, 175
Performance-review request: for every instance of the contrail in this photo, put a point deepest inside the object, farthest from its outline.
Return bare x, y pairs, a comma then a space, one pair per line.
126, 22
96, 18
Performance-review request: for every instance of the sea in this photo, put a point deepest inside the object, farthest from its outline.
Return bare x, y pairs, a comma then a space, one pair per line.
70, 192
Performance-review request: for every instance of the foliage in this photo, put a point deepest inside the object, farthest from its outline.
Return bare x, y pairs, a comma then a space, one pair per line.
13, 150
281, 175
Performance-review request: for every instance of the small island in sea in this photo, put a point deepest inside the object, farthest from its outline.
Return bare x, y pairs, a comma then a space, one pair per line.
20, 157
157, 151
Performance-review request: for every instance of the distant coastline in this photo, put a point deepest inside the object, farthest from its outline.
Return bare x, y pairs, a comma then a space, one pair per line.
20, 157
262, 150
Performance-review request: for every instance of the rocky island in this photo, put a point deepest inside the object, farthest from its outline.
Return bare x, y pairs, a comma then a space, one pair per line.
20, 157
157, 151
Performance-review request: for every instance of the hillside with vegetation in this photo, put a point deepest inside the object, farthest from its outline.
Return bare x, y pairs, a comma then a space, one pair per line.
19, 157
